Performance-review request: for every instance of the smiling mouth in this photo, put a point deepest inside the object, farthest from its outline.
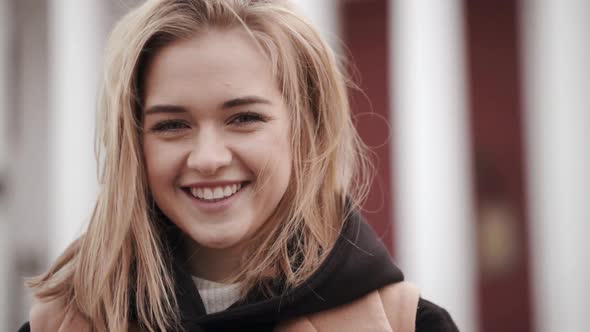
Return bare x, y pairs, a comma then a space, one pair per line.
215, 194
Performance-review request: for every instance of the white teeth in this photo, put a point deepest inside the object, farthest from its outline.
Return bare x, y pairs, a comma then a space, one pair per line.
216, 192
228, 191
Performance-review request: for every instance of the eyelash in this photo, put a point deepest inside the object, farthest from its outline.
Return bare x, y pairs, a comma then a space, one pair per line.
169, 126
250, 118
240, 119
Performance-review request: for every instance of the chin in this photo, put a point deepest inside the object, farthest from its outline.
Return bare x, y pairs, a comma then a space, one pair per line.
219, 244
220, 241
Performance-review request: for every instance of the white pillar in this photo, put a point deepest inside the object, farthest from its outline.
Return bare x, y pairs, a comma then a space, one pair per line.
435, 238
76, 40
324, 15
5, 245
5, 33
557, 103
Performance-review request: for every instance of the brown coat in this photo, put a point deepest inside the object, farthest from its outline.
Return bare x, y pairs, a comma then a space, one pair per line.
52, 317
389, 309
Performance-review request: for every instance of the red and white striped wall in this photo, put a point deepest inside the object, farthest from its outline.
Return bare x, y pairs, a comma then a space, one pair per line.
482, 193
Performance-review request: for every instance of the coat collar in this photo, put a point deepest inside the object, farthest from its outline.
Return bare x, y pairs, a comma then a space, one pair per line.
358, 264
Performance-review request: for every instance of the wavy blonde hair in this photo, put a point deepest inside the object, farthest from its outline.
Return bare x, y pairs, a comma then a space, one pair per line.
121, 258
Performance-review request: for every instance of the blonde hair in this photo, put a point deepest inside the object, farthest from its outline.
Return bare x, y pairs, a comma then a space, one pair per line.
121, 259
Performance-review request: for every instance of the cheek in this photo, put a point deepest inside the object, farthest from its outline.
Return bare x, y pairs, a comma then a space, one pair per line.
282, 160
265, 151
281, 156
269, 158
161, 162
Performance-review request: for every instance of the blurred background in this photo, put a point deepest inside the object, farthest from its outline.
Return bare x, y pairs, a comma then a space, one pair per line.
478, 112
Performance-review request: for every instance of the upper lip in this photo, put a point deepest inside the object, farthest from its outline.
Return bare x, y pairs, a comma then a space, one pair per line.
212, 184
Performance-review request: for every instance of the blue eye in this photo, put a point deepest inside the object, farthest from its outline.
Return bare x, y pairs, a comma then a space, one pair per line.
169, 126
246, 118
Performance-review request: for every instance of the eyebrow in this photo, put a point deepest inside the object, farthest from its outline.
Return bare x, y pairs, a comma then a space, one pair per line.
164, 109
247, 100
236, 102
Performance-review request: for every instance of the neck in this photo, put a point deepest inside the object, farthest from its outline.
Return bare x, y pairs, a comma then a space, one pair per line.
218, 265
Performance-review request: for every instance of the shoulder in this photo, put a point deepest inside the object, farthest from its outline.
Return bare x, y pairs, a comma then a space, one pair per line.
430, 317
392, 307
25, 328
396, 307
46, 316
54, 315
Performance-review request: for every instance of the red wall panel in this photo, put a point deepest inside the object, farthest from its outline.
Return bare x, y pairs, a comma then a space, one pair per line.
365, 35
493, 52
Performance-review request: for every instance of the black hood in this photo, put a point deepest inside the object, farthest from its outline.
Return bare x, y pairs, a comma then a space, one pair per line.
358, 264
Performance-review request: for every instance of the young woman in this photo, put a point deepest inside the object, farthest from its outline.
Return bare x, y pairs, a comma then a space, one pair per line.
231, 179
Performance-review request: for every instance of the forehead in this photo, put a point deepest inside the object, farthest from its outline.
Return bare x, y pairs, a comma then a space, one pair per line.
212, 65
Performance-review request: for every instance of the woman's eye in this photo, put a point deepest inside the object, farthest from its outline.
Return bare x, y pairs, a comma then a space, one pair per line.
246, 118
169, 126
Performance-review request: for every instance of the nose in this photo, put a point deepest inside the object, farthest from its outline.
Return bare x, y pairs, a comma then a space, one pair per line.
209, 153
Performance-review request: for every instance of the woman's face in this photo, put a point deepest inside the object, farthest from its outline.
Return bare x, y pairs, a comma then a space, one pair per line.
215, 125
